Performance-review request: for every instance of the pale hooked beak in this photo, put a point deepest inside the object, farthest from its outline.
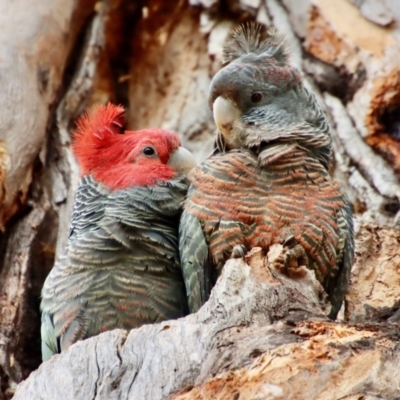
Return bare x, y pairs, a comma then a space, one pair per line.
225, 114
182, 160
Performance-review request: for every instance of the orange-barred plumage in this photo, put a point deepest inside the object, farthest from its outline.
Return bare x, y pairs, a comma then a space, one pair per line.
301, 198
268, 180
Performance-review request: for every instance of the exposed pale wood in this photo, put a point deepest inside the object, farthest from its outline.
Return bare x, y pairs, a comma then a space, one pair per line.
65, 171
377, 186
331, 362
374, 294
369, 55
15, 361
34, 45
28, 248
375, 10
247, 314
261, 334
169, 76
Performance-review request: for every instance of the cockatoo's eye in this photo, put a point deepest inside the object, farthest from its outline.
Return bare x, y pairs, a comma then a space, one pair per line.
149, 151
256, 97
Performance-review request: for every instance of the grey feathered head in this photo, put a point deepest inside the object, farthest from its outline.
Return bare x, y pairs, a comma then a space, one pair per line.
258, 96
253, 57
256, 39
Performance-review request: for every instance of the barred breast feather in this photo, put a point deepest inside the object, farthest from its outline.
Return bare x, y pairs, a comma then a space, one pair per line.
243, 198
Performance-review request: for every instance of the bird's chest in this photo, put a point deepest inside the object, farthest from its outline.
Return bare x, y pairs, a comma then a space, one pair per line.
238, 203
247, 194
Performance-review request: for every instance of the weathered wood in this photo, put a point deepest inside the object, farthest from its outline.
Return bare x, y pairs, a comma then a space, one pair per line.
63, 168
373, 181
247, 314
368, 57
35, 42
18, 298
27, 249
329, 362
169, 75
261, 334
374, 293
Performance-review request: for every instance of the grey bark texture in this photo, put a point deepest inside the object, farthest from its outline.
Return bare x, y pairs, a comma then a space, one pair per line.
262, 335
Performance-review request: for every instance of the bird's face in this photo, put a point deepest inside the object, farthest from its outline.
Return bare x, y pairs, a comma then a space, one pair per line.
121, 159
154, 148
144, 158
252, 91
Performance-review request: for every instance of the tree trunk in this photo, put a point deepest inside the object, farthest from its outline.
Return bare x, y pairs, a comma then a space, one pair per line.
261, 335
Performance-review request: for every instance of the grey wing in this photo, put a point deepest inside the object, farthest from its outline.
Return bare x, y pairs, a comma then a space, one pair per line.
50, 344
338, 285
59, 305
52, 341
89, 206
195, 262
75, 297
63, 308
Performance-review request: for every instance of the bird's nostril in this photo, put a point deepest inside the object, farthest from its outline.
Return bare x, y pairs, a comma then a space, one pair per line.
227, 126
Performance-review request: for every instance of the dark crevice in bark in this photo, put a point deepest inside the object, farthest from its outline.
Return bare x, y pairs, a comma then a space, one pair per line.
22, 212
4, 383
41, 257
383, 314
123, 19
336, 81
236, 11
390, 120
24, 347
75, 56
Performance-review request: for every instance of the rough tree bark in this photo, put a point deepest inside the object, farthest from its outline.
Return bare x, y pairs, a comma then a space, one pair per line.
261, 335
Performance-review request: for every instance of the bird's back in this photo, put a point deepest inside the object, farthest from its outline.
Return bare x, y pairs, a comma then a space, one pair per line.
121, 267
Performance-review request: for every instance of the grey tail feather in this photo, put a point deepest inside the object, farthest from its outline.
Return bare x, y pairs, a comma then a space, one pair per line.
251, 37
